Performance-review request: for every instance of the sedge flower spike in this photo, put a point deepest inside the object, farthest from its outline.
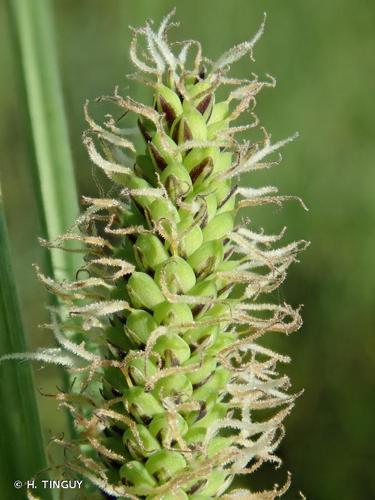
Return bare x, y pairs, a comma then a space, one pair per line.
162, 330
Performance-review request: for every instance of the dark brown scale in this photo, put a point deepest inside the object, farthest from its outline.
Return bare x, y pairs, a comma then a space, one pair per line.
188, 136
181, 97
197, 309
167, 110
228, 254
198, 169
225, 288
202, 382
170, 358
202, 411
204, 220
204, 103
145, 419
208, 268
175, 133
230, 194
203, 339
116, 351
197, 486
121, 319
161, 163
117, 430
146, 136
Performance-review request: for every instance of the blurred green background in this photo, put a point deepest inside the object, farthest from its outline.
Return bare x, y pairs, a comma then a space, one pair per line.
322, 54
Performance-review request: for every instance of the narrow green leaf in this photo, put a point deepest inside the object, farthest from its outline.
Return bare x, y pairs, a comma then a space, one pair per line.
21, 442
53, 169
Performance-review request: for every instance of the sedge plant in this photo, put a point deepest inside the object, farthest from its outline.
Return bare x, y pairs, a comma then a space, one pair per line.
173, 392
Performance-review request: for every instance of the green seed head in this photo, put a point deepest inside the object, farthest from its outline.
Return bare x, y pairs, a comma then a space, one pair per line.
169, 319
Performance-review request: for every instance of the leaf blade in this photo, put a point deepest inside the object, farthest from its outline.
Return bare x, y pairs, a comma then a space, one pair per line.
21, 441
52, 170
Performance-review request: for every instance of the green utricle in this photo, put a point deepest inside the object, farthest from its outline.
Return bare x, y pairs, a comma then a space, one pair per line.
175, 386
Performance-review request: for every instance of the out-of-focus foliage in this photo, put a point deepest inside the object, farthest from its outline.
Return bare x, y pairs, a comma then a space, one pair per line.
322, 56
17, 387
